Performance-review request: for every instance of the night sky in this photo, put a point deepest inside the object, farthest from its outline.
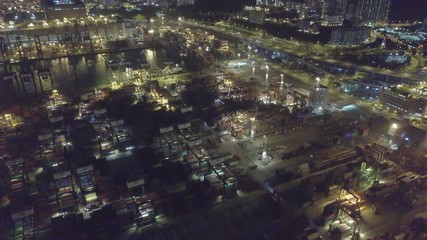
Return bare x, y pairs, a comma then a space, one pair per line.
408, 10
400, 9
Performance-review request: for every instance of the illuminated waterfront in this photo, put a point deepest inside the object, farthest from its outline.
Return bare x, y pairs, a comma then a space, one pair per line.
81, 72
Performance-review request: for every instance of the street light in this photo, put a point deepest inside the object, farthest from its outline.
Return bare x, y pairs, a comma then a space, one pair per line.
318, 81
253, 68
281, 79
264, 157
252, 127
266, 73
249, 52
265, 143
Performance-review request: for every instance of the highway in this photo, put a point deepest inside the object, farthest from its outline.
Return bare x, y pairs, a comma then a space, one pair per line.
297, 50
319, 53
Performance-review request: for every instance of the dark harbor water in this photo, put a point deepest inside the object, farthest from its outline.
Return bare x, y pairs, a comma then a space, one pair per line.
76, 73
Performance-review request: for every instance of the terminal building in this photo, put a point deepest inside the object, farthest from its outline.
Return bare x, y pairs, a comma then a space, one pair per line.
363, 88
59, 9
402, 101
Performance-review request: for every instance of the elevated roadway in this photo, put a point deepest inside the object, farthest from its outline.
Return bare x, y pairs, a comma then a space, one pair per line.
296, 50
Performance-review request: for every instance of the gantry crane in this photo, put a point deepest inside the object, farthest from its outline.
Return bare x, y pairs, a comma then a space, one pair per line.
4, 49
43, 71
9, 75
67, 40
77, 36
26, 72
87, 40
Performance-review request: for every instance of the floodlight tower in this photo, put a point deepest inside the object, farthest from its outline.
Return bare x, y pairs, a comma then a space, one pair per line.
266, 74
317, 81
264, 157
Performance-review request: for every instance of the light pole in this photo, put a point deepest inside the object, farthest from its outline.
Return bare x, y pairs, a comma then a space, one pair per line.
253, 68
318, 81
265, 144
252, 127
266, 73
281, 79
249, 52
264, 157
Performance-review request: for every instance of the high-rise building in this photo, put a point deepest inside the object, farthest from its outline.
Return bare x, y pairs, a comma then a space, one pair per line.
372, 11
313, 4
269, 2
319, 96
93, 2
186, 2
349, 36
333, 12
350, 9
313, 10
